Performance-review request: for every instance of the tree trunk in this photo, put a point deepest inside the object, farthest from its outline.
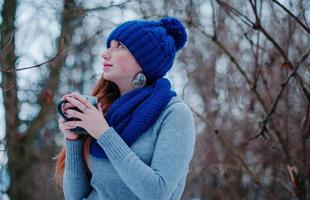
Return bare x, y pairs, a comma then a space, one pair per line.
21, 159
8, 83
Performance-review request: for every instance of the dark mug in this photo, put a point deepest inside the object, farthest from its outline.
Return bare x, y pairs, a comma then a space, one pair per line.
78, 130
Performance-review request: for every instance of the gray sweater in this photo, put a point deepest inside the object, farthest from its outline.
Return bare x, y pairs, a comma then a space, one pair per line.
154, 167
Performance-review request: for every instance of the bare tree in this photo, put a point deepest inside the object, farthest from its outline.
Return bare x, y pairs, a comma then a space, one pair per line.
258, 66
22, 159
247, 62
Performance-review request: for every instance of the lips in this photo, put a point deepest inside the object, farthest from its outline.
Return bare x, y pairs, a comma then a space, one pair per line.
107, 65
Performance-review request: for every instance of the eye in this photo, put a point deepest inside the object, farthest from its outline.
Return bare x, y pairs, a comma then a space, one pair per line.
121, 45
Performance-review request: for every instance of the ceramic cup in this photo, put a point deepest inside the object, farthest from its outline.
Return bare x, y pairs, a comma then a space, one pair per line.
78, 130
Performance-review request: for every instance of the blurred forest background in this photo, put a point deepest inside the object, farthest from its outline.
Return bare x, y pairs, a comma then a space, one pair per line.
245, 73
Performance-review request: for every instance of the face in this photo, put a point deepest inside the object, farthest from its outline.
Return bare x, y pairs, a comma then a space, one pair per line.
119, 65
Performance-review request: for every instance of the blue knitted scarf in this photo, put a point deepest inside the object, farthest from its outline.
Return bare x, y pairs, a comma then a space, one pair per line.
134, 112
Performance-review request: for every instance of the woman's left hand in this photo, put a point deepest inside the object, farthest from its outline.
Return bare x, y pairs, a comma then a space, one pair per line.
92, 119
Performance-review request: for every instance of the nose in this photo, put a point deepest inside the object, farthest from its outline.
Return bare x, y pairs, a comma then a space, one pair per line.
106, 55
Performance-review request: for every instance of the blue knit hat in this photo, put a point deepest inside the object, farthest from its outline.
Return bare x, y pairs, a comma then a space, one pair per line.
152, 43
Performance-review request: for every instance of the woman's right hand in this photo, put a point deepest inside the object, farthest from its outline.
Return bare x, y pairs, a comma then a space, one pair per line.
65, 129
66, 105
63, 125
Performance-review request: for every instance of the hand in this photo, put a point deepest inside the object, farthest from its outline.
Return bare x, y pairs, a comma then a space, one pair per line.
66, 105
64, 127
92, 119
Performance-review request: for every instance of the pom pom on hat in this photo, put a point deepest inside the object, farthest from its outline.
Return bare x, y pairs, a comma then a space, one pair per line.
176, 29
152, 43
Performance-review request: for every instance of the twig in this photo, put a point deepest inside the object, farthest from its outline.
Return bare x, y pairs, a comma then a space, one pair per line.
292, 15
213, 18
233, 150
257, 26
281, 51
80, 11
271, 39
8, 44
276, 101
13, 69
242, 17
120, 5
234, 60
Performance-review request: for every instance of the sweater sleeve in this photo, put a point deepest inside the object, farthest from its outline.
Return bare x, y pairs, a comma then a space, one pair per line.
75, 181
172, 154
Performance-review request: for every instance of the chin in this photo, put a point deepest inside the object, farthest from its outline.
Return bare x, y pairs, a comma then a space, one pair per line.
108, 77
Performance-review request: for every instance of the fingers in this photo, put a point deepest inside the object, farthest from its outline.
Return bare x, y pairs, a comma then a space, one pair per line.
82, 99
61, 120
65, 126
66, 106
74, 113
66, 95
79, 104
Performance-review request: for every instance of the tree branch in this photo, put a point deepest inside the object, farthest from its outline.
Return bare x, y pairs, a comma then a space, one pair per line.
281, 51
13, 69
276, 101
292, 15
237, 155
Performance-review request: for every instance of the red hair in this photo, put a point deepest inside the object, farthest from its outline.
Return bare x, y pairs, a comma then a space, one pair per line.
106, 92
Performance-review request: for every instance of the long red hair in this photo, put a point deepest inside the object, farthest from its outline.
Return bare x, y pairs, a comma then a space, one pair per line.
106, 92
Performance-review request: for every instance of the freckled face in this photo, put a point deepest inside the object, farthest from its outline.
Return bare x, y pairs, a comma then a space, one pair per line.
119, 63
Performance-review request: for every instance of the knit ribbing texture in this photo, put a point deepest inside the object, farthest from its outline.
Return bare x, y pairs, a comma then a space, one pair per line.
136, 111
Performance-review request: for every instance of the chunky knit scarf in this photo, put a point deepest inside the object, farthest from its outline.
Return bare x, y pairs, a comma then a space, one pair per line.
134, 112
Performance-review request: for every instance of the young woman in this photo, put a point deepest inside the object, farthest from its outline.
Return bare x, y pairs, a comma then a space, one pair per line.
141, 136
